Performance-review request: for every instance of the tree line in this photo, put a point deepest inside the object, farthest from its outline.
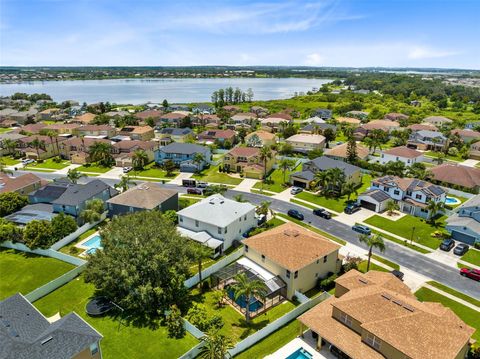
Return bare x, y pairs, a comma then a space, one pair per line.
230, 95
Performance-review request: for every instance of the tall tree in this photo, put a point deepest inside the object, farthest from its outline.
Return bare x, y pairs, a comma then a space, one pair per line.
248, 289
38, 145
101, 153
139, 159
215, 346
74, 175
93, 210
434, 208
352, 150
266, 154
125, 183
9, 145
286, 164
372, 241
200, 253
348, 189
329, 135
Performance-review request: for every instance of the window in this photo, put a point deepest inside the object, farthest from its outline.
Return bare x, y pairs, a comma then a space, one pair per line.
344, 318
295, 275
318, 261
409, 193
418, 196
226, 230
263, 258
288, 274
94, 348
373, 341
180, 219
240, 219
387, 189
397, 192
219, 230
325, 259
245, 218
196, 223
246, 249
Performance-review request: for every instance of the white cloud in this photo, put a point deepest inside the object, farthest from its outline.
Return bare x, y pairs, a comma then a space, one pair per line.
423, 52
314, 59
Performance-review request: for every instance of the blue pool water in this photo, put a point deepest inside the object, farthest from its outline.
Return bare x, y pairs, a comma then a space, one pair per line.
451, 200
254, 304
300, 354
93, 244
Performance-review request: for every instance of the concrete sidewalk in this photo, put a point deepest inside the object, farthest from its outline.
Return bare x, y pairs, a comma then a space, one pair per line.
246, 185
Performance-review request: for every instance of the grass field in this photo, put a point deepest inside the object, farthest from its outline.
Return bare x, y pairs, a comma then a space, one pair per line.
403, 228
9, 161
362, 267
235, 326
212, 175
402, 242
93, 168
23, 272
49, 164
152, 171
277, 185
386, 261
468, 315
472, 256
455, 293
120, 339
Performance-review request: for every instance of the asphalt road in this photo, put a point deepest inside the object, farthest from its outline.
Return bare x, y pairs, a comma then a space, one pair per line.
407, 258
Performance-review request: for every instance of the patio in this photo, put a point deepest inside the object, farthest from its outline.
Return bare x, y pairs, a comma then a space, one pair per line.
276, 287
307, 345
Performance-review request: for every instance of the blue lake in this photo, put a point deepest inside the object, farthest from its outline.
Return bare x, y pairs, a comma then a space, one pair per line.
138, 91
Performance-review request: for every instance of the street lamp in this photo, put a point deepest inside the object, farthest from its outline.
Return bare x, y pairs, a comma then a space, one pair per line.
411, 238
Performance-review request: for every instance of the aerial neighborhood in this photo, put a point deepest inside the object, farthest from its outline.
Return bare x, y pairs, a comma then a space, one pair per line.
340, 223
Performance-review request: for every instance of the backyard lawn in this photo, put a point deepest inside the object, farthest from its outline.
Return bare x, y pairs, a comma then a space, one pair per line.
212, 175
235, 327
120, 340
152, 171
23, 272
9, 161
93, 168
403, 227
472, 256
468, 315
273, 342
49, 164
277, 184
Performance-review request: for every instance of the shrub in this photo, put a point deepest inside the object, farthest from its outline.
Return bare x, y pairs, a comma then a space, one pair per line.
39, 160
175, 325
328, 282
73, 250
57, 159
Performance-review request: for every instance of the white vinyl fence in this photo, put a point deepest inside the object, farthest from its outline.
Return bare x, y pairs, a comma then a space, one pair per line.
189, 327
190, 282
54, 284
74, 235
45, 252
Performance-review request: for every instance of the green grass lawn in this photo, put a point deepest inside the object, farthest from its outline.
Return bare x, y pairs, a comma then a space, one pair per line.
468, 315
120, 340
472, 256
402, 242
386, 261
94, 168
3, 130
403, 228
277, 185
24, 272
235, 326
152, 171
259, 191
447, 157
455, 293
362, 267
212, 175
70, 248
461, 199
314, 229
49, 164
9, 161
273, 342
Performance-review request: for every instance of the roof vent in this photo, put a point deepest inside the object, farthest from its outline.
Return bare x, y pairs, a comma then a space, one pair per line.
397, 302
46, 340
386, 296
291, 232
409, 308
364, 281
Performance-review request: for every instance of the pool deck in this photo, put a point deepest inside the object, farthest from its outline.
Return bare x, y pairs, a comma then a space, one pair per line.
81, 244
297, 343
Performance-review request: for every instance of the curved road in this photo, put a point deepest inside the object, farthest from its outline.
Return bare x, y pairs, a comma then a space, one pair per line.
403, 256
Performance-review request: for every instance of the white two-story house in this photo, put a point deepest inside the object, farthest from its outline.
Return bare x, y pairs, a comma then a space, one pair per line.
408, 156
412, 195
217, 222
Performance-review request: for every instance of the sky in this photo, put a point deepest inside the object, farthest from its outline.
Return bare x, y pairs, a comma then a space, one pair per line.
340, 33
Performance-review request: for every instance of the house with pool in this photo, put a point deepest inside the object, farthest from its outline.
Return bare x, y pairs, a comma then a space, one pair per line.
289, 259
464, 224
375, 315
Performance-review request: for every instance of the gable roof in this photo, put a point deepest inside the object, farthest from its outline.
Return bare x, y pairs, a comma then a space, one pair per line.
350, 120
306, 138
439, 119
264, 135
183, 148
30, 335
174, 131
146, 195
324, 163
341, 151
380, 125
464, 176
13, 184
79, 193
291, 246
422, 126
410, 184
244, 151
403, 151
217, 210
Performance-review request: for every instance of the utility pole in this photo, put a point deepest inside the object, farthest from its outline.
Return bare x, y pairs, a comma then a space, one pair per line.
411, 238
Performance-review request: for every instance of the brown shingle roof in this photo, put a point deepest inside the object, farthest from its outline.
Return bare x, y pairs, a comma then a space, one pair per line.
147, 196
403, 151
134, 144
466, 133
341, 151
350, 120
464, 176
264, 135
154, 114
395, 116
244, 151
381, 125
12, 184
291, 246
422, 126
96, 128
85, 118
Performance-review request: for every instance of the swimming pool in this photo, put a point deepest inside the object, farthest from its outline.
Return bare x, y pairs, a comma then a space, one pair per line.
451, 200
93, 244
300, 353
254, 303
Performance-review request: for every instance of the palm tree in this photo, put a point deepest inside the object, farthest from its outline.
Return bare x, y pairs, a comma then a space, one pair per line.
101, 152
215, 346
74, 175
348, 189
286, 164
338, 178
38, 145
139, 159
200, 252
125, 183
9, 145
266, 154
264, 207
434, 208
372, 241
52, 135
239, 198
198, 159
93, 211
392, 206
248, 289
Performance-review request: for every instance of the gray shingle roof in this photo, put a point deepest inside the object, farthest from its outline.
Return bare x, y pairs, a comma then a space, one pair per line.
77, 194
25, 333
183, 148
306, 175
176, 131
324, 163
377, 195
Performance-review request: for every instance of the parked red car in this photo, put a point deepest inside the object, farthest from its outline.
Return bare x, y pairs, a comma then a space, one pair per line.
470, 273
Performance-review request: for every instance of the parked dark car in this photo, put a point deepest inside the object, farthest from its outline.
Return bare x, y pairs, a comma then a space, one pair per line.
295, 214
194, 191
322, 213
461, 249
470, 273
360, 228
447, 244
352, 208
397, 274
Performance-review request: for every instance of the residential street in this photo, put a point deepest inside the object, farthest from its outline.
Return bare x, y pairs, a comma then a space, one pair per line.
405, 257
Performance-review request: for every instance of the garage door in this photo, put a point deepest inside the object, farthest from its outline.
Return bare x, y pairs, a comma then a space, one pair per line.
462, 237
299, 184
368, 205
